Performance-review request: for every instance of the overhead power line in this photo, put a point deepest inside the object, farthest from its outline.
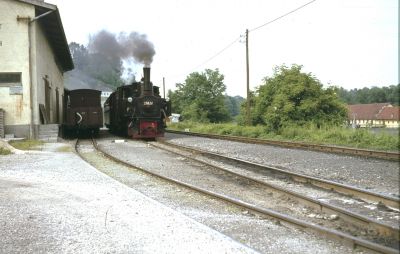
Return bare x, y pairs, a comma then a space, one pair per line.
219, 53
250, 30
211, 58
248, 119
282, 16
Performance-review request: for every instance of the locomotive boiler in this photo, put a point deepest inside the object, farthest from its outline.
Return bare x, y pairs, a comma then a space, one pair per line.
137, 110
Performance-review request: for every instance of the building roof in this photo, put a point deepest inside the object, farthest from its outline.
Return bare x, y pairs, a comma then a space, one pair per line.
366, 111
54, 31
389, 113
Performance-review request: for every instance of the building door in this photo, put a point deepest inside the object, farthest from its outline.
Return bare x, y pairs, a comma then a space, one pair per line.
47, 99
57, 106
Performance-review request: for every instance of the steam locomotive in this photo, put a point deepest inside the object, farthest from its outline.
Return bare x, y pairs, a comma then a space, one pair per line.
137, 110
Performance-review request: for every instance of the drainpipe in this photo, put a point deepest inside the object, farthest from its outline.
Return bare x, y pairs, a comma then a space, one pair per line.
30, 27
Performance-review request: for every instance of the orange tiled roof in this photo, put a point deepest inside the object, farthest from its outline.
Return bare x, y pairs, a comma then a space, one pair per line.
389, 113
366, 111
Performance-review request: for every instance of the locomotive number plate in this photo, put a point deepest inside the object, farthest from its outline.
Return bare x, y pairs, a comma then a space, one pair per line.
147, 103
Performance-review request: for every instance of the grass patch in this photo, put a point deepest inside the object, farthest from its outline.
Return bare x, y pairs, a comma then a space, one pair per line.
4, 151
29, 144
332, 135
64, 149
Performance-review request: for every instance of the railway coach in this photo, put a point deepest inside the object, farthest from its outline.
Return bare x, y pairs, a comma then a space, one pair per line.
82, 112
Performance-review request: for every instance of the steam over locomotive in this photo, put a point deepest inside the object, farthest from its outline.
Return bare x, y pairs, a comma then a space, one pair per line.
137, 110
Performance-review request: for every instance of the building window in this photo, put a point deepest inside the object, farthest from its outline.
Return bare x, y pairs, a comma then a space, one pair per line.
10, 79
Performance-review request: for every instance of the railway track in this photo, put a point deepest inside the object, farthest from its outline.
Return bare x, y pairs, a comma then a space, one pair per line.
322, 183
382, 228
286, 219
386, 155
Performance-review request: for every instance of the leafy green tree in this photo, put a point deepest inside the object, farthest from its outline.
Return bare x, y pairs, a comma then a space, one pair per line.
393, 94
233, 104
371, 95
201, 98
254, 116
291, 97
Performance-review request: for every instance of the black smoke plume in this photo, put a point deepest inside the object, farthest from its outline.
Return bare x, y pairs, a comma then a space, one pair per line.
123, 46
138, 46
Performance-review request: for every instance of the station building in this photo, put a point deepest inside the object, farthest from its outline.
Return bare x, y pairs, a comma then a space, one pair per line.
34, 55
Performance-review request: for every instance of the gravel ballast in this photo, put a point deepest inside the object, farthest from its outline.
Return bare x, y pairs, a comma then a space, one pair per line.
371, 174
267, 235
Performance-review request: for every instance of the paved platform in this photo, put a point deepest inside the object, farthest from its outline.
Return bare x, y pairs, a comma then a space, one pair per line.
54, 202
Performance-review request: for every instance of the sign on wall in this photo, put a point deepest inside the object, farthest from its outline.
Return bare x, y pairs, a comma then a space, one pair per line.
15, 90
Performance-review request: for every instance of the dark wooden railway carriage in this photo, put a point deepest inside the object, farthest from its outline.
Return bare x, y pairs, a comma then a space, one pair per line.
82, 111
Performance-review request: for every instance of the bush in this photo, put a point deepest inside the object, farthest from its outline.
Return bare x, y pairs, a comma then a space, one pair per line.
29, 144
4, 151
311, 133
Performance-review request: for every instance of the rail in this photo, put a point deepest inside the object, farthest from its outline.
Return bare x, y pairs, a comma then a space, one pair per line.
386, 155
332, 234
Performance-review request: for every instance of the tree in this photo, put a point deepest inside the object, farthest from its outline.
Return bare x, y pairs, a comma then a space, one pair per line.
201, 97
293, 97
97, 65
370, 95
80, 55
254, 116
393, 94
233, 104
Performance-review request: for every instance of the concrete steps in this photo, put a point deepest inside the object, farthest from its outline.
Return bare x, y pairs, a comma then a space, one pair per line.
2, 123
48, 132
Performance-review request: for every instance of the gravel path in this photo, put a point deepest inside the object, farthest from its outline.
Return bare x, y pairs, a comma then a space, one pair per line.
54, 202
372, 174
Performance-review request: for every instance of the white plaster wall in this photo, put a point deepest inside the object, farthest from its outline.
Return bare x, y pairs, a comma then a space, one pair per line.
392, 124
44, 64
14, 57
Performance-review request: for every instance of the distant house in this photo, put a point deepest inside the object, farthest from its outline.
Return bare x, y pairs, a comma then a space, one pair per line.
374, 115
174, 118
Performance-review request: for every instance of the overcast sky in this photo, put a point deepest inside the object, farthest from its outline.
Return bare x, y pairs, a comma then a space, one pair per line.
347, 43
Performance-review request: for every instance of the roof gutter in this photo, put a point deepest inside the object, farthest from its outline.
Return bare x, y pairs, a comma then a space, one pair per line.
41, 16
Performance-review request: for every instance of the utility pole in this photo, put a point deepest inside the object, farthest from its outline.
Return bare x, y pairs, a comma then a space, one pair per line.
163, 85
247, 77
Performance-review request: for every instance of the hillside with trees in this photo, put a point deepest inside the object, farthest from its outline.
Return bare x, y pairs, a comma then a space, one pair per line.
95, 66
371, 95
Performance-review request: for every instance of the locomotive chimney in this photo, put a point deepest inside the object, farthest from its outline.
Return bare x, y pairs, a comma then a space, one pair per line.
147, 86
